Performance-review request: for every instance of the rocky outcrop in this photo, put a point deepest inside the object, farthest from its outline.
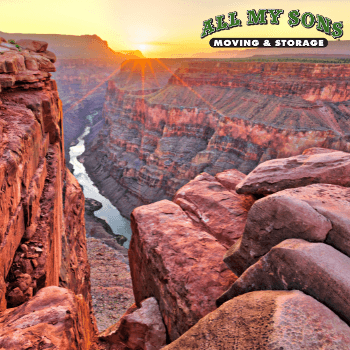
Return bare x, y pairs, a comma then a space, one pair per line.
49, 320
213, 116
42, 233
292, 242
288, 320
317, 213
222, 212
317, 269
313, 166
178, 263
139, 328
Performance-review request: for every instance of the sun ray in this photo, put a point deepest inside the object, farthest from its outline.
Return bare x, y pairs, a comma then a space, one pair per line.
193, 91
152, 70
92, 90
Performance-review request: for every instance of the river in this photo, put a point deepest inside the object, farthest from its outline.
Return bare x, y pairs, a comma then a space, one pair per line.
108, 212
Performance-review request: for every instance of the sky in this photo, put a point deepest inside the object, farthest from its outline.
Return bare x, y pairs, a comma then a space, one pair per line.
160, 28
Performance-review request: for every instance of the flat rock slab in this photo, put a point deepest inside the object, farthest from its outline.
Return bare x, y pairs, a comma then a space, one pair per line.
52, 319
177, 263
222, 212
316, 213
288, 320
317, 269
230, 178
331, 167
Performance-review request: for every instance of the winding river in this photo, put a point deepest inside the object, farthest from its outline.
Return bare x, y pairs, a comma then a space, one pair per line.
108, 212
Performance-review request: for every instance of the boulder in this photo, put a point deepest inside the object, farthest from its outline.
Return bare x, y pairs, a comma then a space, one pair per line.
316, 213
179, 264
331, 167
142, 328
288, 320
317, 269
222, 212
50, 55
2, 40
45, 64
230, 178
33, 45
52, 319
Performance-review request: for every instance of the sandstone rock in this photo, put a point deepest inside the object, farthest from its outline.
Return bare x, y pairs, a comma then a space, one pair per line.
312, 167
230, 178
51, 319
4, 49
30, 61
42, 209
318, 213
45, 63
33, 45
317, 269
141, 329
2, 40
220, 211
50, 55
9, 46
74, 267
12, 62
288, 320
177, 263
111, 333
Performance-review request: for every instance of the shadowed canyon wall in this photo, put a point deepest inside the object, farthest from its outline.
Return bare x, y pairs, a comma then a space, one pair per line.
42, 230
211, 116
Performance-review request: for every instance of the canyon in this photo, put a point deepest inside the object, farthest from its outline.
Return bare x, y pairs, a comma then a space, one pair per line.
210, 116
218, 259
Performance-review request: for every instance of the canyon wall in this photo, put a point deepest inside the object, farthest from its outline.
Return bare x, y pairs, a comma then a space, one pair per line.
211, 116
81, 84
42, 233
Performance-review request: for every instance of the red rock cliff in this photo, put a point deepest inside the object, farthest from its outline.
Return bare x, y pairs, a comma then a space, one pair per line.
212, 116
42, 233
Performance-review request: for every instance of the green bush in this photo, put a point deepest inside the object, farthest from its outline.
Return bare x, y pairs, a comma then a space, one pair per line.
11, 41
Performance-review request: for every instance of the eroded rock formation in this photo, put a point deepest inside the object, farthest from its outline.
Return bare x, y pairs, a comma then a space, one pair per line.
42, 231
268, 320
213, 116
292, 242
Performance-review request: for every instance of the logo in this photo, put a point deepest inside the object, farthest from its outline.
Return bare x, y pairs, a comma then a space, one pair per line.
308, 20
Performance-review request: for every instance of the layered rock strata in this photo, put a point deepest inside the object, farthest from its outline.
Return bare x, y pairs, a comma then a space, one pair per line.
213, 116
42, 232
